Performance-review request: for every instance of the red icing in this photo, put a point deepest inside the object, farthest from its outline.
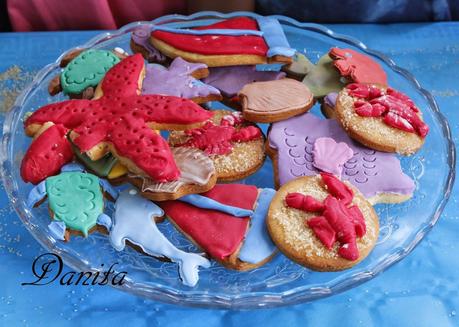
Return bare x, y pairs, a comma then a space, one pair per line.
217, 139
217, 233
120, 116
218, 44
338, 220
395, 108
358, 67
46, 155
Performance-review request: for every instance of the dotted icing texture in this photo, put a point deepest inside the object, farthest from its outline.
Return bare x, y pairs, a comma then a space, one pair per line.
87, 70
76, 199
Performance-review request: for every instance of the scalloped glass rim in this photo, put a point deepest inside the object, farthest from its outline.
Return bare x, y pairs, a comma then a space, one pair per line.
248, 300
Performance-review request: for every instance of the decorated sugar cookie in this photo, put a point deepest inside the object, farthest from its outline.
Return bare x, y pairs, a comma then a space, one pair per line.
322, 223
227, 222
140, 43
235, 146
181, 79
233, 41
300, 67
134, 222
231, 79
117, 120
357, 67
306, 145
268, 102
197, 175
75, 200
381, 118
324, 78
82, 72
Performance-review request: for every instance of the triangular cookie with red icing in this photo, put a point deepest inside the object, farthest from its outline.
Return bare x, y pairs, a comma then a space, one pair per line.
227, 222
234, 41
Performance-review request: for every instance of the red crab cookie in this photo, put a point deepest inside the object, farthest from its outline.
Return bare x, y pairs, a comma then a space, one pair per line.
234, 145
381, 118
322, 223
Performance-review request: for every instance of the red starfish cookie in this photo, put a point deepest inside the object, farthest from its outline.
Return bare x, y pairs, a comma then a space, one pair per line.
338, 220
122, 119
358, 67
396, 109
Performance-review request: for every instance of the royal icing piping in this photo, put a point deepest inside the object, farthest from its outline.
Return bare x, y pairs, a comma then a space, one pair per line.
195, 168
86, 70
395, 108
76, 199
46, 155
358, 67
204, 202
330, 156
231, 79
337, 220
121, 117
258, 245
141, 36
133, 220
276, 96
372, 172
218, 233
177, 80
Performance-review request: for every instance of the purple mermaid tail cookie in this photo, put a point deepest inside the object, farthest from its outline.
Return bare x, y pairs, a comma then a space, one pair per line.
230, 80
374, 173
177, 80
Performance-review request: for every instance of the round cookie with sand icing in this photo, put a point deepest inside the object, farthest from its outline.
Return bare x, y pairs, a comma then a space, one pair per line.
322, 223
234, 145
381, 118
272, 101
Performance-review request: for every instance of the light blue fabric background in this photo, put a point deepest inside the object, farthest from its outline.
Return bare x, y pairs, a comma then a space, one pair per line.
422, 290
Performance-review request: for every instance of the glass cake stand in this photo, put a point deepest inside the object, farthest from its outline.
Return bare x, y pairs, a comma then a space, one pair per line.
281, 281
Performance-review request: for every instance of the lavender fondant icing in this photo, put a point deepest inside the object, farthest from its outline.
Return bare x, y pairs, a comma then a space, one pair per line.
372, 172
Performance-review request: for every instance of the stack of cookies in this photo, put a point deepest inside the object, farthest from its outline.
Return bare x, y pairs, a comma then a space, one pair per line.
137, 131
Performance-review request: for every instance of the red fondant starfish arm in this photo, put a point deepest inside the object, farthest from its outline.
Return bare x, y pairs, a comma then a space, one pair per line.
246, 134
359, 220
46, 155
133, 140
122, 80
170, 110
68, 113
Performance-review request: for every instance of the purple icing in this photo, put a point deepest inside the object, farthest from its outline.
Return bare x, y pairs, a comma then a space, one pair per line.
176, 80
330, 156
230, 80
372, 172
330, 99
141, 36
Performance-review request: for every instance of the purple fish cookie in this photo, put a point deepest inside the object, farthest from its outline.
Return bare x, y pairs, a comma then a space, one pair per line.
301, 144
180, 80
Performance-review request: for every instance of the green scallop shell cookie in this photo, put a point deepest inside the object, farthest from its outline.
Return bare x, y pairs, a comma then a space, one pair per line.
86, 70
76, 199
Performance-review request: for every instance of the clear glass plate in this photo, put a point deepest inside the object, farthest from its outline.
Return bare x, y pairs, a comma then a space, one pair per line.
281, 281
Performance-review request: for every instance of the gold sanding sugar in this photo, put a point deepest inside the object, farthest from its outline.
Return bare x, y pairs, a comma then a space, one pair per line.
12, 82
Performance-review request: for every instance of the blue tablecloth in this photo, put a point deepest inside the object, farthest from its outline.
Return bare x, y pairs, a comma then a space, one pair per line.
422, 290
